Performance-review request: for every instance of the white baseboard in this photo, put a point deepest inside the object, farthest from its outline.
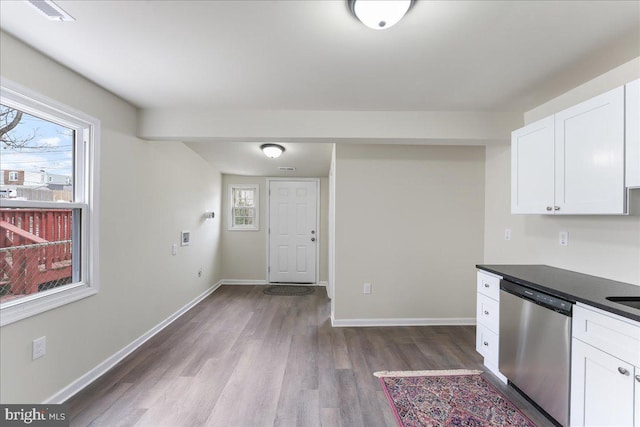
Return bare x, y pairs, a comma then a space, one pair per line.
82, 382
325, 284
432, 321
241, 282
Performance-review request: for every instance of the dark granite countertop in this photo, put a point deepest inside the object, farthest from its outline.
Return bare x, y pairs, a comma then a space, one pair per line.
572, 286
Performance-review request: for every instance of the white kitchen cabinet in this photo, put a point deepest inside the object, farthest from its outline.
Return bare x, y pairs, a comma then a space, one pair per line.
589, 156
605, 377
532, 160
632, 133
603, 388
572, 162
487, 320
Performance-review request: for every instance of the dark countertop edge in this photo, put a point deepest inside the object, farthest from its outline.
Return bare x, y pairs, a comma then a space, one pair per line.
606, 306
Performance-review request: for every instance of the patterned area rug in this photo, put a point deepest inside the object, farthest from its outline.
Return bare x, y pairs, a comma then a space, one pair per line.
448, 398
288, 290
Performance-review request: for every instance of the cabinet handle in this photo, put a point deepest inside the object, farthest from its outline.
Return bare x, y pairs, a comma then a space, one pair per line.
486, 285
556, 208
549, 208
486, 344
623, 371
638, 378
486, 313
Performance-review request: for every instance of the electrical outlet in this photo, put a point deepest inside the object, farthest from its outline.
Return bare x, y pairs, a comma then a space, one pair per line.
200, 272
564, 238
174, 249
366, 288
39, 347
507, 234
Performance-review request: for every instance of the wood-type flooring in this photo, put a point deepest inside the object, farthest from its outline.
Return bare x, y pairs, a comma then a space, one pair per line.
241, 358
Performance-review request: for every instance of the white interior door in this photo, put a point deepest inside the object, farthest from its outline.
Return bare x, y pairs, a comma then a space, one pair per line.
293, 232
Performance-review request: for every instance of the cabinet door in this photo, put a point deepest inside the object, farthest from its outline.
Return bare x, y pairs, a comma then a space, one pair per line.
637, 398
532, 168
602, 388
589, 161
632, 133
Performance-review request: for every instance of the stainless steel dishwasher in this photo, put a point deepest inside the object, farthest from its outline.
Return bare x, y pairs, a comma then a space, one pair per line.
535, 346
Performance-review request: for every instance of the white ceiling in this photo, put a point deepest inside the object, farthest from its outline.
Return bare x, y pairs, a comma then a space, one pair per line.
313, 55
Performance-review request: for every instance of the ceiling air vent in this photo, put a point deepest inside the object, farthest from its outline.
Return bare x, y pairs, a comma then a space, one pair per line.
51, 10
287, 169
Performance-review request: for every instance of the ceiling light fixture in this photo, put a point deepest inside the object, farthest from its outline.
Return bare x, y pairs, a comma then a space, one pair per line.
51, 10
379, 14
272, 150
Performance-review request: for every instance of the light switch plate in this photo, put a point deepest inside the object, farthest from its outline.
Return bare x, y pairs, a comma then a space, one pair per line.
564, 238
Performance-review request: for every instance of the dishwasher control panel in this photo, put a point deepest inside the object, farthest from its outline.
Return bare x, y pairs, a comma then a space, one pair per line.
554, 303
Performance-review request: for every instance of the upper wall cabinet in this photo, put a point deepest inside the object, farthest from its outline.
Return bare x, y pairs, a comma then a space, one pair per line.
632, 136
572, 162
532, 168
590, 156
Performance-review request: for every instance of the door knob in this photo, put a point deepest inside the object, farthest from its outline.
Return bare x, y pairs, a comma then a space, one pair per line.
623, 371
556, 208
549, 208
313, 231
313, 239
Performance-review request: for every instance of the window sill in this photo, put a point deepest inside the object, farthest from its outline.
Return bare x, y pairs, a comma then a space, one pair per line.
14, 311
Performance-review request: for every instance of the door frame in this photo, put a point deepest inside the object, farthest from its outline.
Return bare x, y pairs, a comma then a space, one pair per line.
293, 179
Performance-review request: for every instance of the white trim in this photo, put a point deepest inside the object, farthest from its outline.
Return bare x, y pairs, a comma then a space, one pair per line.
317, 181
31, 305
86, 379
86, 189
495, 371
428, 321
323, 283
243, 282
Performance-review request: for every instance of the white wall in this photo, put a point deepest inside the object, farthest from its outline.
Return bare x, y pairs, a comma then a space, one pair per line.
409, 220
389, 127
150, 191
606, 246
244, 253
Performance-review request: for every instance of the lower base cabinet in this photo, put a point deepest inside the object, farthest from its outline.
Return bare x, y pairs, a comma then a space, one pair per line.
488, 320
605, 369
602, 392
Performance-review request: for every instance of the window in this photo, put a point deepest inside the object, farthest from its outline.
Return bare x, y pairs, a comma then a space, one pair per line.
48, 239
243, 207
13, 176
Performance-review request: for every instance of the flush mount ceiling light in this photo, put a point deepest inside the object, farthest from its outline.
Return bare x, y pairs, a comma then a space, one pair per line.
51, 10
272, 150
379, 14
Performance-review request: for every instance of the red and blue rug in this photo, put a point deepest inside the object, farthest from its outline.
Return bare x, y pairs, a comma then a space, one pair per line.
448, 398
